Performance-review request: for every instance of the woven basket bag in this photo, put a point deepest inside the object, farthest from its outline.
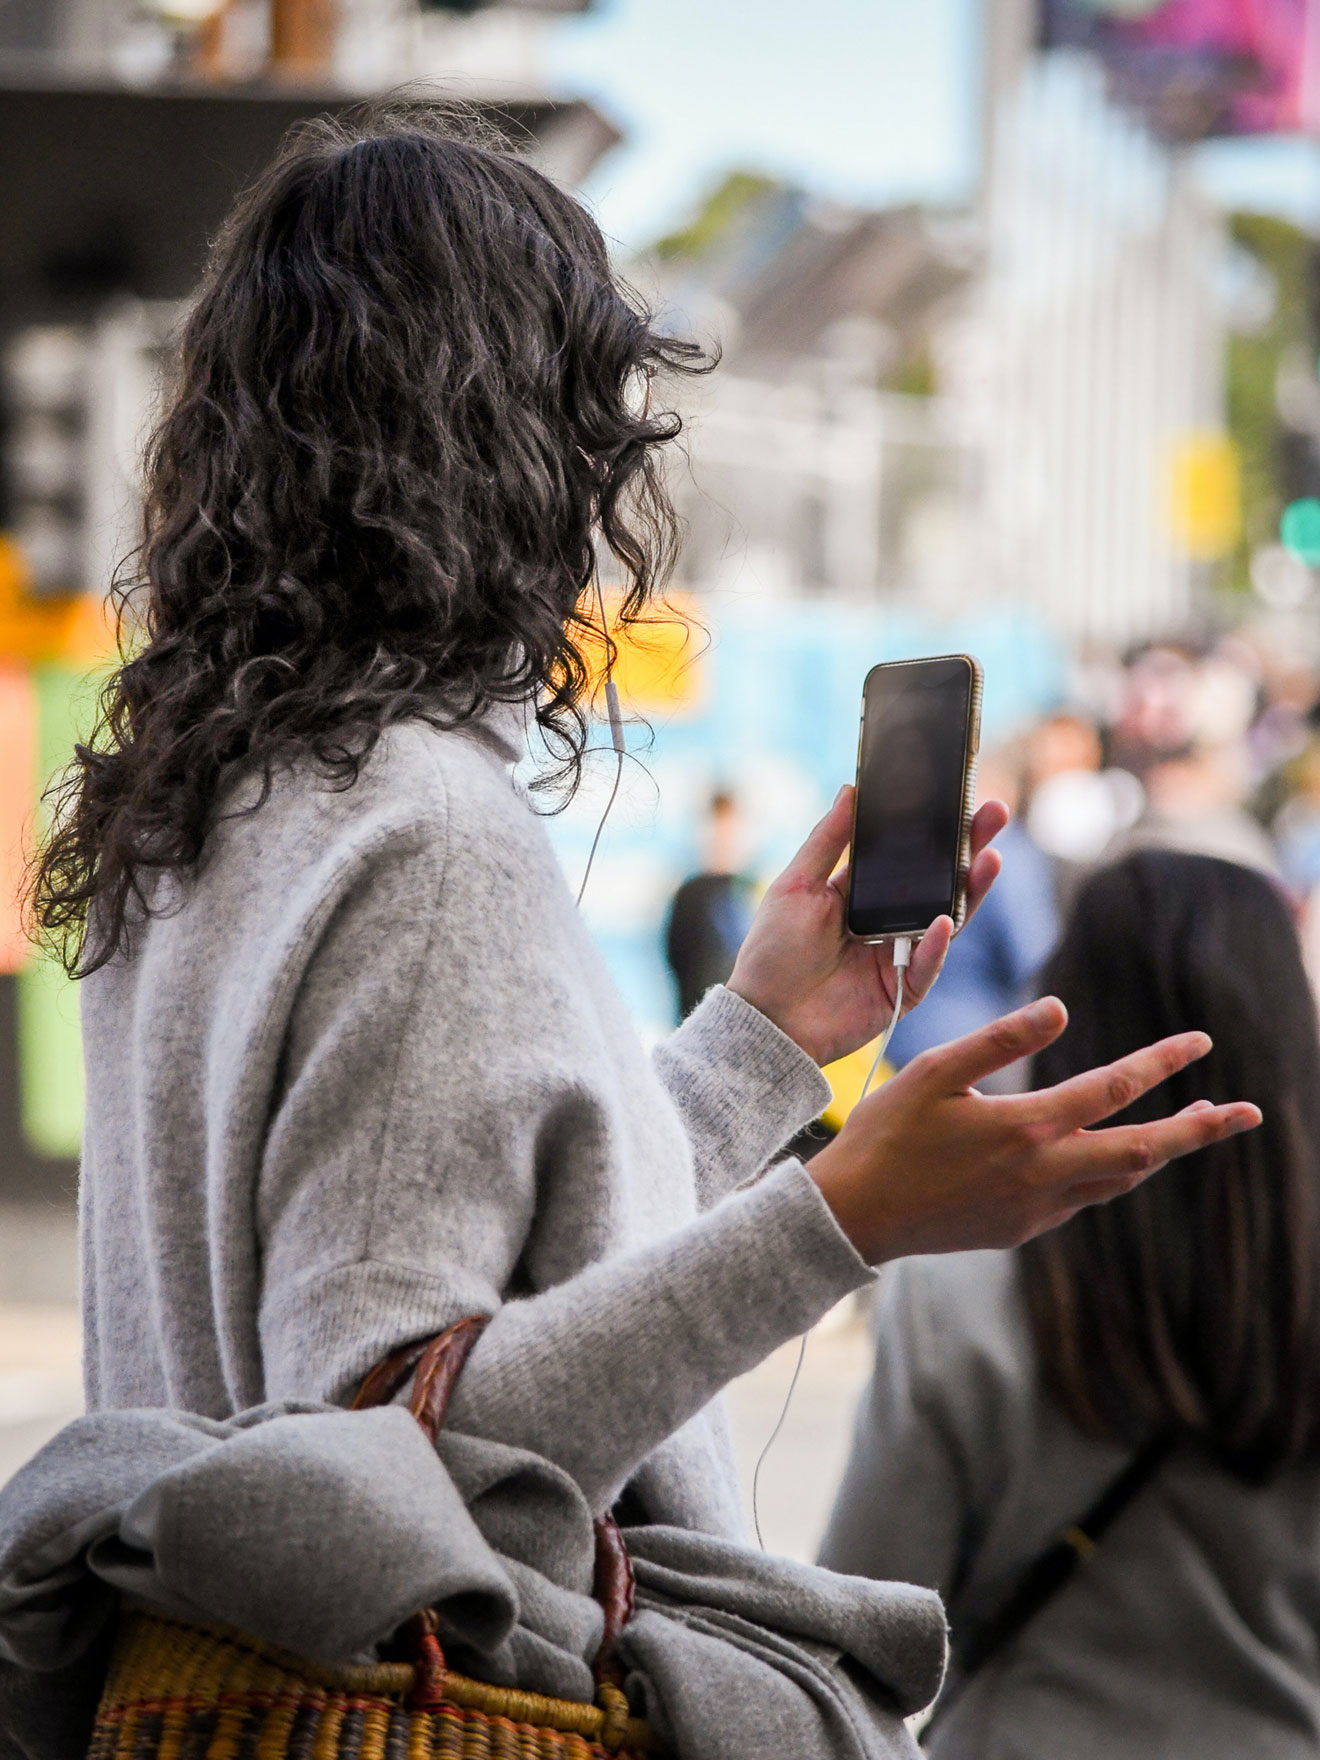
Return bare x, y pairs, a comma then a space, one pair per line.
194, 1692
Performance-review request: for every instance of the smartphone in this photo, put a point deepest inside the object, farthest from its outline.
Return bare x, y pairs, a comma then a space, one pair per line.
916, 783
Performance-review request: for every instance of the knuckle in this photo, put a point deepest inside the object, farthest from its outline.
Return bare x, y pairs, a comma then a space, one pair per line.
1123, 1089
1027, 1135
923, 1066
1140, 1157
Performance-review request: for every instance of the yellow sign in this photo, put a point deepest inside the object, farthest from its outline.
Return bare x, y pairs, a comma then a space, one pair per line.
847, 1078
659, 664
1205, 494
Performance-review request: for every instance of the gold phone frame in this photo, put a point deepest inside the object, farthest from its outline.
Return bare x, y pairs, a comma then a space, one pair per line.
971, 748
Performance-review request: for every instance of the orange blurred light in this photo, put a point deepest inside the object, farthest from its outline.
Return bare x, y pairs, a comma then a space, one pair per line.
18, 787
77, 628
659, 664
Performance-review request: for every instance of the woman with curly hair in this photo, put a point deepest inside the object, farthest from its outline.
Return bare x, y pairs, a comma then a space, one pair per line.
355, 1069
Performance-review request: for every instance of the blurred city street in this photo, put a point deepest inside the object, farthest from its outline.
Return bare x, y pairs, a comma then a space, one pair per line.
1017, 305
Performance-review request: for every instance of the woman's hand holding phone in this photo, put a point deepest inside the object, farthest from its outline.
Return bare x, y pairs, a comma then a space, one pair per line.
830, 992
929, 1165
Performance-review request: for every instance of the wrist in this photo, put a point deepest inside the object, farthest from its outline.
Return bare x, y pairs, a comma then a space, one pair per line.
843, 1182
782, 1018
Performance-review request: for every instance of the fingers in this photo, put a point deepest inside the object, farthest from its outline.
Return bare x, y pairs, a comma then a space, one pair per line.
819, 856
1129, 1152
966, 1061
927, 960
981, 876
1098, 1093
988, 821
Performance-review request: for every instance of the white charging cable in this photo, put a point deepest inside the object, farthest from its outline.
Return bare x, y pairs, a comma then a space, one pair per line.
902, 959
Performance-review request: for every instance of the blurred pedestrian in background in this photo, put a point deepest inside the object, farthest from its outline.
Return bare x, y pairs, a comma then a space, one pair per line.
1161, 1353
711, 911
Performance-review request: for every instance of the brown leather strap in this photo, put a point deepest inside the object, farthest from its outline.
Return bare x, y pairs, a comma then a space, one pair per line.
438, 1363
439, 1368
614, 1587
379, 1385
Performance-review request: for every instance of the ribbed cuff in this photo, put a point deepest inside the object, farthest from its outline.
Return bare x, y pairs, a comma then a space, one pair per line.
743, 1087
320, 1338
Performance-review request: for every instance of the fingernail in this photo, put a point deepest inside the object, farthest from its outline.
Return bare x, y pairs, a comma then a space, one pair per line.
1200, 1106
1045, 1012
842, 791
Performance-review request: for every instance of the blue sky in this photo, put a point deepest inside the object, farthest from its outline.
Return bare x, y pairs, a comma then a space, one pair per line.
866, 100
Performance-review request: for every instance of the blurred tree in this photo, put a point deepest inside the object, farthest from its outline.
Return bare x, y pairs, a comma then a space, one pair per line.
1278, 462
717, 216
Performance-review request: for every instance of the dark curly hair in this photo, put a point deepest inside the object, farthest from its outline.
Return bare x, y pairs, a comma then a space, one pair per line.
413, 398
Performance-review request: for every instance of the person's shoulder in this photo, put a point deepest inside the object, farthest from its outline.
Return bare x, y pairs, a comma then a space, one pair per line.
410, 784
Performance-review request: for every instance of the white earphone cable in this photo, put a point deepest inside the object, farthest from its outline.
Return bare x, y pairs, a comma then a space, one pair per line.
902, 956
617, 739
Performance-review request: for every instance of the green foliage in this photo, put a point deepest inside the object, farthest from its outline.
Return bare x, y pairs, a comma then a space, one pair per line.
914, 376
715, 216
1252, 371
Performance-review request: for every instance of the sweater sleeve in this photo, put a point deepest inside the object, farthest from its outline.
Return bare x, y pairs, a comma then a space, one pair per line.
742, 1088
451, 1129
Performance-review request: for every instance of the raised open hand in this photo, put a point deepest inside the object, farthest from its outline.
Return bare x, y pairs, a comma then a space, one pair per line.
799, 965
928, 1165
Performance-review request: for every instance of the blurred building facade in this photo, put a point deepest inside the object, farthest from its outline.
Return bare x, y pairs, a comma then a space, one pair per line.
1023, 402
1087, 367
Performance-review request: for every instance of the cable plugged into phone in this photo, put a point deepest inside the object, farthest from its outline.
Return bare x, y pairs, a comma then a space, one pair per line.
902, 960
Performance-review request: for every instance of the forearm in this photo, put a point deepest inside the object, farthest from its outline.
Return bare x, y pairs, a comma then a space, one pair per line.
594, 1373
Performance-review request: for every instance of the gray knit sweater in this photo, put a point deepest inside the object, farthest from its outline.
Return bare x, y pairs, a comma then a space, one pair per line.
369, 1074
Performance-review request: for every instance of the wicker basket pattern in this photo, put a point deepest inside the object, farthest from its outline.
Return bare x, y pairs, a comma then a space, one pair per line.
191, 1692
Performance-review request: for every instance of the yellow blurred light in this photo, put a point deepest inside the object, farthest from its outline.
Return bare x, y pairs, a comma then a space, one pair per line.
847, 1078
1205, 494
659, 665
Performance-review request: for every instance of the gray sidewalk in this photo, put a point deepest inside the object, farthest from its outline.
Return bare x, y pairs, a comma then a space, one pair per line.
40, 1370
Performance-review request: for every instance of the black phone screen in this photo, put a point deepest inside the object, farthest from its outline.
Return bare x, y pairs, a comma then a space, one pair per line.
916, 718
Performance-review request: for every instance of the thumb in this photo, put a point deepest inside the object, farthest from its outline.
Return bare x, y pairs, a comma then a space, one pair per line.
819, 856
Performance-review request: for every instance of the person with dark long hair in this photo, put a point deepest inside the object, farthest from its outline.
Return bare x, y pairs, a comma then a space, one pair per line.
1140, 1388
355, 1071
